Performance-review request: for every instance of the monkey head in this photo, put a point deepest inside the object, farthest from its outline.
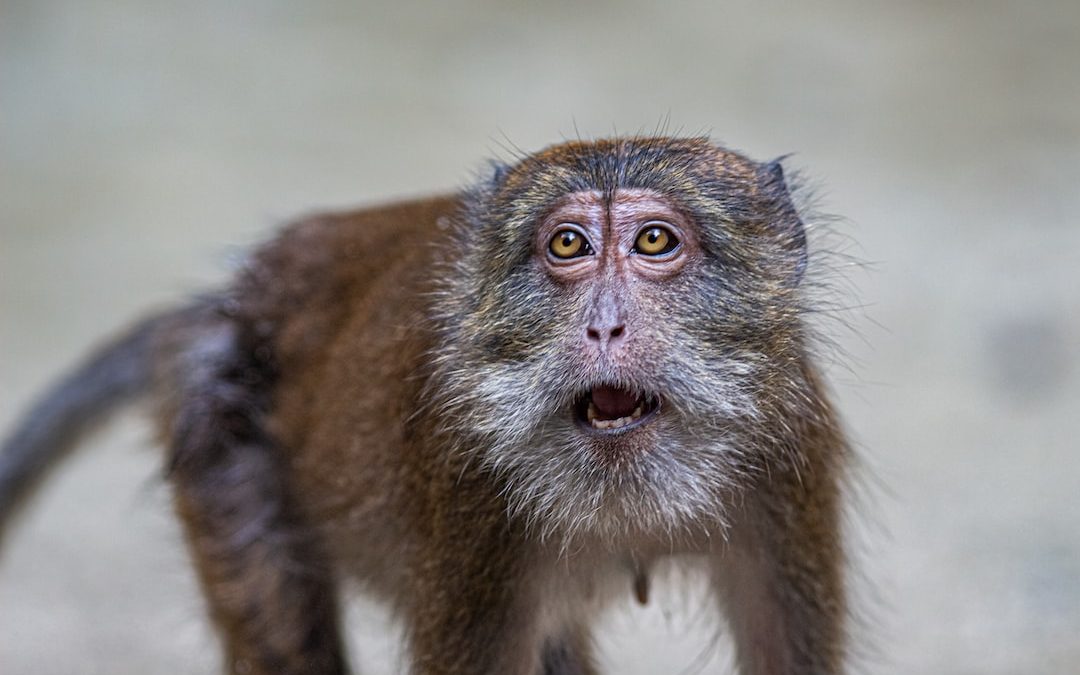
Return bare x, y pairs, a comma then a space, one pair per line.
619, 331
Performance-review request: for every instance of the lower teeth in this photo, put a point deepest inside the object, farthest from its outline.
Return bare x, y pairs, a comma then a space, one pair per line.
616, 423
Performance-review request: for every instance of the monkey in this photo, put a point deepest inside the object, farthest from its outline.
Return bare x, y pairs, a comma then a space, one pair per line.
498, 410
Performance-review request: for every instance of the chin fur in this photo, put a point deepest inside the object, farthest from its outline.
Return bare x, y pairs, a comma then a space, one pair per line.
672, 478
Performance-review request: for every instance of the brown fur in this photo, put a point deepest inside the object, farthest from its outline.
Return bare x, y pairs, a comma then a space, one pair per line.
326, 421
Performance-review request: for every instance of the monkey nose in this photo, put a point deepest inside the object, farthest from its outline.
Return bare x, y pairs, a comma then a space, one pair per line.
606, 334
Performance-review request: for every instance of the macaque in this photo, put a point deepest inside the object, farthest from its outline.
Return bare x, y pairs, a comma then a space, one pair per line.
498, 410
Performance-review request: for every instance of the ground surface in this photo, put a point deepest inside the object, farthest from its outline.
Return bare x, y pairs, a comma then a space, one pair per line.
142, 148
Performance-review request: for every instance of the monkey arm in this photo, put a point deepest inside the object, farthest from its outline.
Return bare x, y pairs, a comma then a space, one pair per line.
474, 605
781, 577
481, 597
783, 593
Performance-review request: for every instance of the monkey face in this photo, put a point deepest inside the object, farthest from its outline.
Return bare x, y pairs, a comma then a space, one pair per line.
609, 252
619, 323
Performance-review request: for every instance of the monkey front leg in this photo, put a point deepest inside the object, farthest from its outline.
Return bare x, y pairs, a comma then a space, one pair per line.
781, 580
479, 605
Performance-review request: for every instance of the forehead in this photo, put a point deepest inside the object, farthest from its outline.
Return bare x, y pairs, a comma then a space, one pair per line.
663, 164
629, 202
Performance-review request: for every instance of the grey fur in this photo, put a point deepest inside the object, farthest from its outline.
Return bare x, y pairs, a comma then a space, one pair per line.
72, 407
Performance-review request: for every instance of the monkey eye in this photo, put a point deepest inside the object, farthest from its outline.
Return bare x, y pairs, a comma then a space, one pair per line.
569, 243
655, 239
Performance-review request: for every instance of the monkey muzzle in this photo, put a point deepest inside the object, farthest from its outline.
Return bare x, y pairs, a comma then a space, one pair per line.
613, 409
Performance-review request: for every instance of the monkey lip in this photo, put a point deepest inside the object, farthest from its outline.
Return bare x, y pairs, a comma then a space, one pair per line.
609, 409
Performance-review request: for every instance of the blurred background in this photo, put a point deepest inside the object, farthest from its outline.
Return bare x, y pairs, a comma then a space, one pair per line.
145, 146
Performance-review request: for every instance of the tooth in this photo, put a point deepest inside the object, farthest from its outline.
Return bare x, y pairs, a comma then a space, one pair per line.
591, 412
637, 413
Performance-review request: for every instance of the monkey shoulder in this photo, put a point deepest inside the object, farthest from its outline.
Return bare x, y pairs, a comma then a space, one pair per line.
302, 287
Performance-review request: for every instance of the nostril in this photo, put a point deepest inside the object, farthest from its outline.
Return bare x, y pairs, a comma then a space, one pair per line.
605, 335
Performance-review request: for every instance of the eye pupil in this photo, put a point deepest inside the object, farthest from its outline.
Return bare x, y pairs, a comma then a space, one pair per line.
656, 241
568, 244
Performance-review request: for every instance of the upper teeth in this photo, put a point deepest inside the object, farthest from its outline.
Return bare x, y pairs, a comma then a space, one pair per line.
611, 424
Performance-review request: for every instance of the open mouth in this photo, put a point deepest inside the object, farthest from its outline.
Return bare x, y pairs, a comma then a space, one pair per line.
610, 409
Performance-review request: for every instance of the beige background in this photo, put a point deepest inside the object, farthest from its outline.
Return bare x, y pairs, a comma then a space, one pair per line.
143, 147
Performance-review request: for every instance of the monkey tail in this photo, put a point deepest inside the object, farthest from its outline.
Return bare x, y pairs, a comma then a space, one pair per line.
110, 377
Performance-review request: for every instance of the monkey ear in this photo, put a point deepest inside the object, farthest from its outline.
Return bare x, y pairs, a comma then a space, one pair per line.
783, 217
489, 178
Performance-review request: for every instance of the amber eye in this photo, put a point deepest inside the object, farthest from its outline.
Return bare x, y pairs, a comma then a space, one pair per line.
569, 244
655, 240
